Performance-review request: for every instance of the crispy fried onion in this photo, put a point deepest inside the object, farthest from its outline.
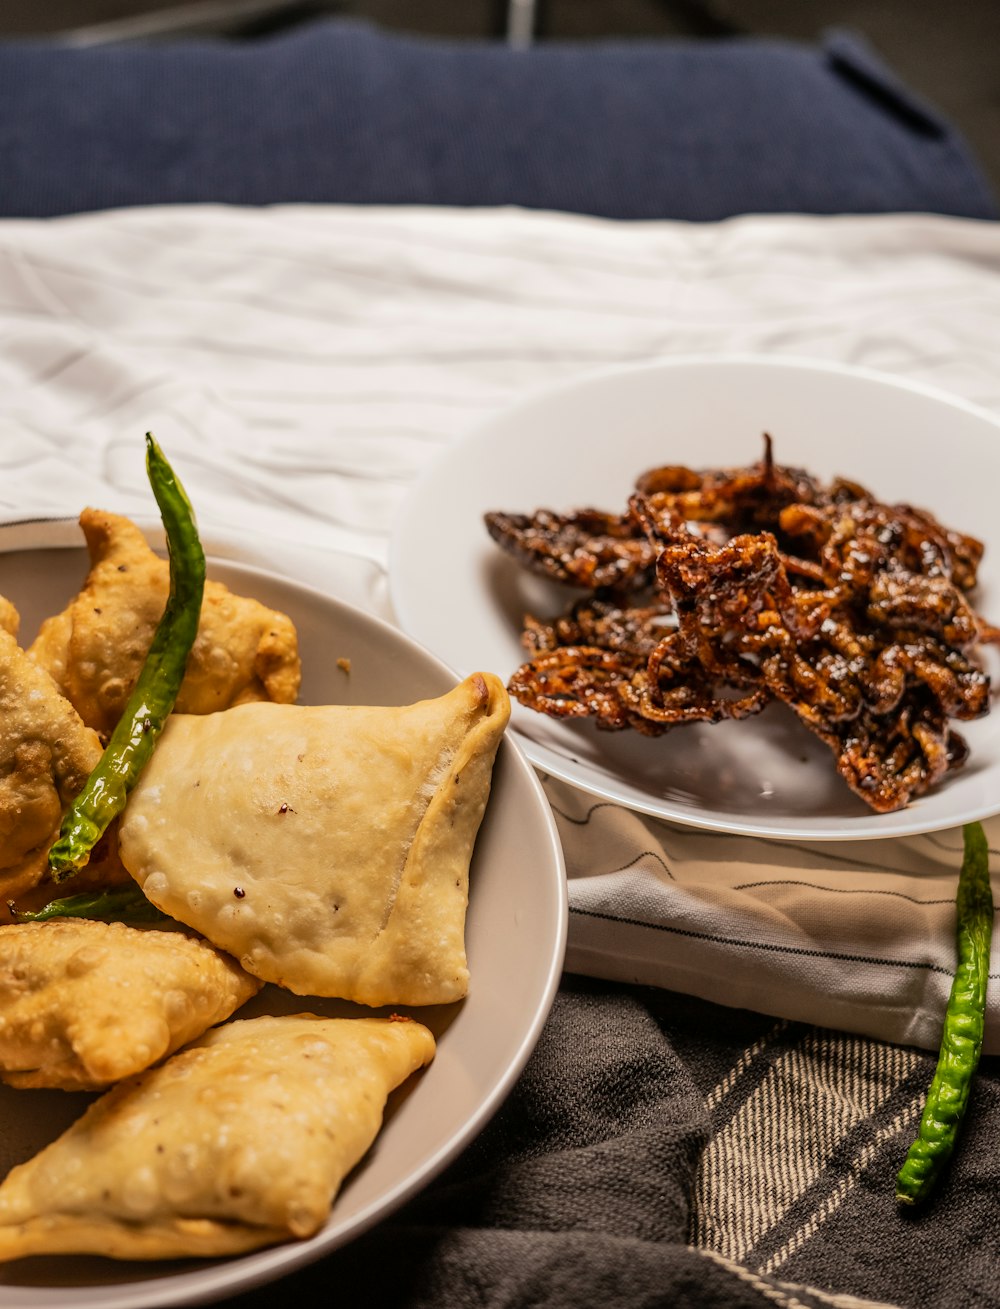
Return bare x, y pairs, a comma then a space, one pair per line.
717, 592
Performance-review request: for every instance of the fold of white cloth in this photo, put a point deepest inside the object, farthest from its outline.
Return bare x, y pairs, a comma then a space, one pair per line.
302, 365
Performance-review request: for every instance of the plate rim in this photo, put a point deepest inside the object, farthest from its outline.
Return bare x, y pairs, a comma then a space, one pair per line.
548, 759
219, 1279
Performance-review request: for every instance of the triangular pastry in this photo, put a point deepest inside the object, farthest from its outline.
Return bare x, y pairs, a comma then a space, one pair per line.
10, 619
328, 847
46, 755
239, 1141
95, 648
85, 1003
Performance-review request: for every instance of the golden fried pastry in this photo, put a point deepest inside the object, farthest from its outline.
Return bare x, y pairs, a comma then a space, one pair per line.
85, 1003
95, 648
239, 1141
46, 755
10, 619
326, 847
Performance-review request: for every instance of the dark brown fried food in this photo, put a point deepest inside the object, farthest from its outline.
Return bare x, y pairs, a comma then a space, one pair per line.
618, 691
604, 622
571, 681
874, 664
626, 667
587, 548
599, 550
743, 499
767, 584
876, 534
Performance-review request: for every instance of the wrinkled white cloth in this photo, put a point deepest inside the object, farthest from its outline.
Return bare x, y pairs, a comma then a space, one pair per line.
303, 365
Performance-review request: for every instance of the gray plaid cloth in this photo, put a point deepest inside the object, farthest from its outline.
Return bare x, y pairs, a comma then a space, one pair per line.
659, 1150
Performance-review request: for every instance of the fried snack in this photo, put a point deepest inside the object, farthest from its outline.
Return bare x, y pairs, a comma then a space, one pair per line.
769, 585
599, 550
874, 665
326, 847
587, 548
627, 667
239, 1141
84, 1003
95, 648
46, 755
10, 619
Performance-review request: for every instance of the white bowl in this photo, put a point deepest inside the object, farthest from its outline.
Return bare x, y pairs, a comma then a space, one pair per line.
516, 934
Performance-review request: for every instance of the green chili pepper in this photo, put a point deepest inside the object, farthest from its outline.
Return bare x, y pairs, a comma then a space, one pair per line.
106, 790
126, 905
962, 1036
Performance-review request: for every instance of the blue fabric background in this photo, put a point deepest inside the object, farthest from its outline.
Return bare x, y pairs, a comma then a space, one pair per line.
338, 111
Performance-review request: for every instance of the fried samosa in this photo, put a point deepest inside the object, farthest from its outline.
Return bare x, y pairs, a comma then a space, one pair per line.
46, 755
239, 1141
95, 648
85, 1003
328, 847
10, 619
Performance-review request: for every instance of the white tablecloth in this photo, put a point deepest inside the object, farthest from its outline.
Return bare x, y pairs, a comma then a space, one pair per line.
303, 365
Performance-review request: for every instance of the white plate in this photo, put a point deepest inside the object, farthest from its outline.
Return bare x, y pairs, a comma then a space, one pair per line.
583, 444
516, 940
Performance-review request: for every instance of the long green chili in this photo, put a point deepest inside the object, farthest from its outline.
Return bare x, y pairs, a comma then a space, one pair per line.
125, 904
106, 790
964, 1021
